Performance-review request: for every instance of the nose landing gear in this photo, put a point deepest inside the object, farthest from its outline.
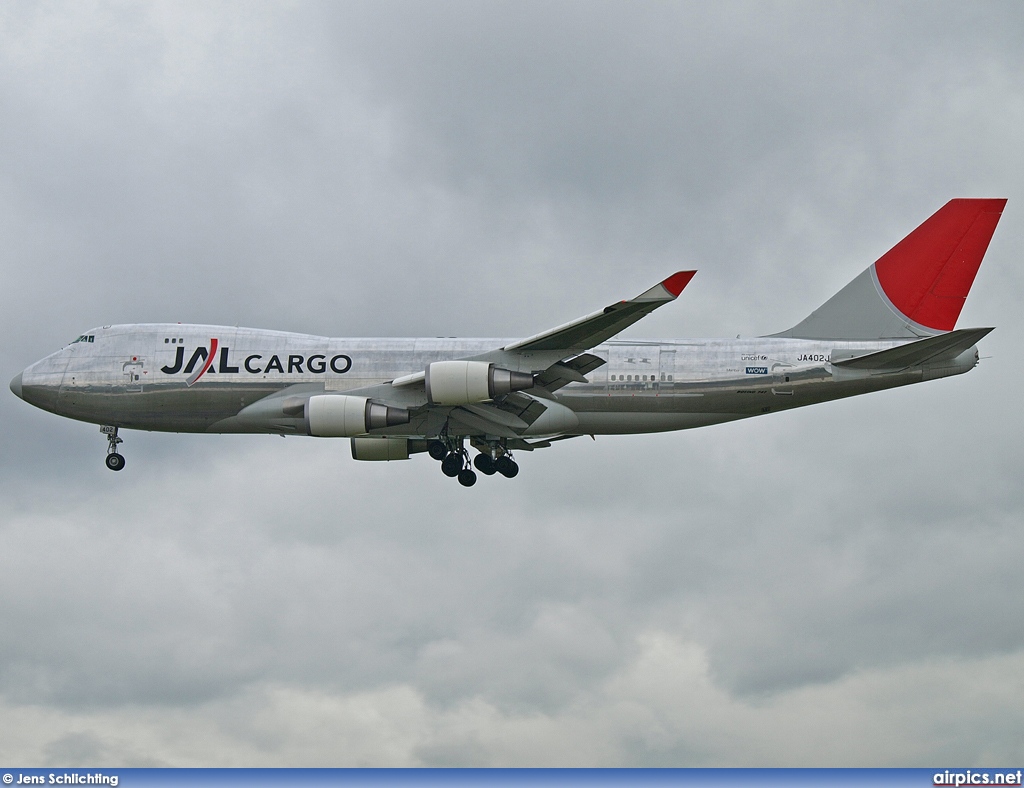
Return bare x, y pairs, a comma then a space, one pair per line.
114, 460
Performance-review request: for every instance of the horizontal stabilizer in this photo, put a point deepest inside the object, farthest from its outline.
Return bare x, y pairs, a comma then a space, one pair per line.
933, 349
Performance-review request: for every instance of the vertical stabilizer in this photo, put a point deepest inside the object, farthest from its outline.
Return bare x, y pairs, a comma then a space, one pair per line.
918, 287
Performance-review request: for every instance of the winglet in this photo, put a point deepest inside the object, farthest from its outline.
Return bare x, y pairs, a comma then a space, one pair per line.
669, 289
679, 280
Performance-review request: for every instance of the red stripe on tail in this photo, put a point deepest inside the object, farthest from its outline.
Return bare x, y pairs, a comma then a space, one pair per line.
928, 274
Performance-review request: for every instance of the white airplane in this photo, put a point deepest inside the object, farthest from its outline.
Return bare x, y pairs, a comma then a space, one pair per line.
891, 326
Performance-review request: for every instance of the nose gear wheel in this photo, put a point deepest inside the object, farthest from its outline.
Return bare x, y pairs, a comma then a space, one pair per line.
114, 461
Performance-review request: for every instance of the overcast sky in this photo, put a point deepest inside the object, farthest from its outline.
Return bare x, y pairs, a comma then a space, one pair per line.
838, 585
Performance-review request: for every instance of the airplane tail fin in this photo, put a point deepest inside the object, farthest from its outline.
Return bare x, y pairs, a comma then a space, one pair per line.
918, 287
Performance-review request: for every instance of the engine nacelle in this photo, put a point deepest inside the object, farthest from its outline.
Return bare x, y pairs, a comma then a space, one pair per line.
343, 416
465, 382
380, 449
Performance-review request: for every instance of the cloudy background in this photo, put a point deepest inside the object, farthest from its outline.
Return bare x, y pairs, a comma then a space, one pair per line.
840, 585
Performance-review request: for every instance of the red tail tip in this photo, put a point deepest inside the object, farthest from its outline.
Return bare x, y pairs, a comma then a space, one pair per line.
928, 274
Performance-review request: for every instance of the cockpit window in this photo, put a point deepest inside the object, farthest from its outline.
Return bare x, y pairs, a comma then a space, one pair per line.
85, 338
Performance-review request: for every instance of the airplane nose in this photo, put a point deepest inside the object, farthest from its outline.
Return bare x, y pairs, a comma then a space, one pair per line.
16, 385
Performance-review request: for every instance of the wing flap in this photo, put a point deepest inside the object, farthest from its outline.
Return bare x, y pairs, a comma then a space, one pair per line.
481, 424
497, 416
572, 371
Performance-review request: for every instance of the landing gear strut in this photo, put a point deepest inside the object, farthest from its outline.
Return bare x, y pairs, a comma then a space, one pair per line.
454, 459
494, 457
114, 460
452, 464
456, 465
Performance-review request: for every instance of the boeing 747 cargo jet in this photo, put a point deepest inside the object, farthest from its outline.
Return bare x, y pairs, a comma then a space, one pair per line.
892, 325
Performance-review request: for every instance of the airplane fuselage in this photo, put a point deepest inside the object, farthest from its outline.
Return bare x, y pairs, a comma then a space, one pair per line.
192, 378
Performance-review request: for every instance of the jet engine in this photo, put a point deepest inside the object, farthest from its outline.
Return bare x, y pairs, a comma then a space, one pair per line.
343, 416
464, 382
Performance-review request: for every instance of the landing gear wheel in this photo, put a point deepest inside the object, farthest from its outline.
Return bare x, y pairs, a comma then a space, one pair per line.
506, 466
437, 450
466, 477
452, 464
484, 464
115, 461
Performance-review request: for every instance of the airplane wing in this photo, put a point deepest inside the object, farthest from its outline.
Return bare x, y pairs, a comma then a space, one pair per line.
593, 329
554, 358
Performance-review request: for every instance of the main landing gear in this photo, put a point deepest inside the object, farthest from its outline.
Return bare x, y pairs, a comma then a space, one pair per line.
114, 460
503, 464
455, 463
